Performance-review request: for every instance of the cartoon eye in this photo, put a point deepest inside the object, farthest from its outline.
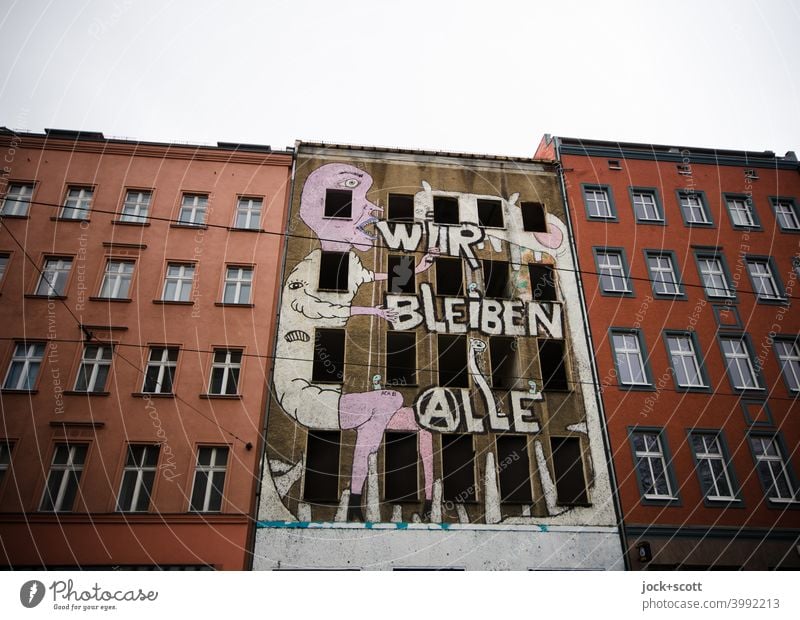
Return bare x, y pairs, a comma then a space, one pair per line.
351, 183
295, 285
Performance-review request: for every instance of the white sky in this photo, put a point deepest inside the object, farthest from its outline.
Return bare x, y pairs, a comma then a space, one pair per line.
485, 77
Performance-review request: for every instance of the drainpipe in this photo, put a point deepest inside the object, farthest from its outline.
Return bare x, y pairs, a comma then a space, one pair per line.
595, 374
262, 457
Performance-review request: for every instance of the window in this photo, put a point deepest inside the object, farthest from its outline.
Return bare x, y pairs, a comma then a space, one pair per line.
238, 282
685, 363
17, 200
334, 270
714, 276
543, 282
598, 202
739, 363
458, 468
209, 479
712, 467
178, 282
495, 279
534, 218
663, 275
93, 371
628, 358
160, 375
773, 469
136, 207
514, 468
684, 169
788, 352
53, 279
646, 207
193, 210
401, 358
4, 258
77, 203
328, 356
742, 212
321, 482
612, 271
453, 361
449, 276
786, 213
490, 213
694, 209
339, 203
445, 210
613, 164
5, 458
137, 478
568, 470
248, 213
551, 361
762, 276
117, 279
503, 355
651, 465
401, 467
65, 474
25, 363
225, 372
401, 208
401, 274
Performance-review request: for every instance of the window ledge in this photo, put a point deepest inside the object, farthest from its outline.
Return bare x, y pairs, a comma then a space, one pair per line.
9, 216
223, 304
221, 396
188, 225
636, 388
12, 391
125, 223
84, 393
58, 218
167, 302
119, 300
248, 230
35, 296
651, 222
153, 394
773, 301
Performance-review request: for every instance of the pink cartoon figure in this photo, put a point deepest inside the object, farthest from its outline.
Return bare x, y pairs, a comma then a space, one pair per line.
305, 308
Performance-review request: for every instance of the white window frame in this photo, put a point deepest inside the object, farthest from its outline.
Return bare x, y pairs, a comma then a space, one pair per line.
163, 364
91, 367
741, 212
598, 203
237, 278
65, 469
737, 357
629, 353
684, 356
692, 204
17, 201
788, 354
775, 464
31, 356
192, 206
228, 368
714, 272
181, 281
607, 270
250, 208
765, 284
136, 471
786, 215
710, 455
210, 469
662, 274
53, 278
118, 274
647, 201
136, 206
77, 204
650, 456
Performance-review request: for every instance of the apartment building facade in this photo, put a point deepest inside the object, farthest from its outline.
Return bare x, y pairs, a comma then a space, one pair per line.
689, 261
138, 288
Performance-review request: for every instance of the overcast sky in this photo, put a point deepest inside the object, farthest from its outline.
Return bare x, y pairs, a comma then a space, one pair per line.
484, 77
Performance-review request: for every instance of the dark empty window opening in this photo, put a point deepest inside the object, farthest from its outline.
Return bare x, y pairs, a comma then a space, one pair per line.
514, 468
453, 361
533, 217
551, 360
449, 277
401, 208
401, 358
503, 353
495, 279
568, 470
490, 213
400, 268
339, 203
445, 210
322, 466
334, 268
400, 468
328, 356
613, 164
543, 282
458, 468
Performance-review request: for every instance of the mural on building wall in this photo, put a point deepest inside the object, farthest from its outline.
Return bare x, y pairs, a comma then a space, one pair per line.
373, 410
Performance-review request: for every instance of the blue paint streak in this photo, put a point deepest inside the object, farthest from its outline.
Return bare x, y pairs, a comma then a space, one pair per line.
544, 528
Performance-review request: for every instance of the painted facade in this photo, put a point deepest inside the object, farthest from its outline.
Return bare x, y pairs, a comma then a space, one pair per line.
467, 424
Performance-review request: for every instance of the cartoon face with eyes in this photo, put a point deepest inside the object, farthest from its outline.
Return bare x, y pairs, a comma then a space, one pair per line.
350, 219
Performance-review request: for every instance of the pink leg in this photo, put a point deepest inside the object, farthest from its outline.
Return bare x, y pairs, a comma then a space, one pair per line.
404, 420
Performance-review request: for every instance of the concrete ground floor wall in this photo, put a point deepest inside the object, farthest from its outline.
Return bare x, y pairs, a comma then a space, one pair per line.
388, 546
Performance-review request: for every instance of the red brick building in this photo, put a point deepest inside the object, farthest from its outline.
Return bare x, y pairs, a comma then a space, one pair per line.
138, 289
690, 261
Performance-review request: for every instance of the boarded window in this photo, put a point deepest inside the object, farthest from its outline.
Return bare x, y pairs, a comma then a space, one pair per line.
533, 217
495, 279
458, 468
400, 472
543, 283
400, 268
322, 466
490, 213
328, 356
449, 277
445, 210
502, 351
334, 270
514, 468
551, 360
401, 358
453, 361
568, 470
338, 203
401, 208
